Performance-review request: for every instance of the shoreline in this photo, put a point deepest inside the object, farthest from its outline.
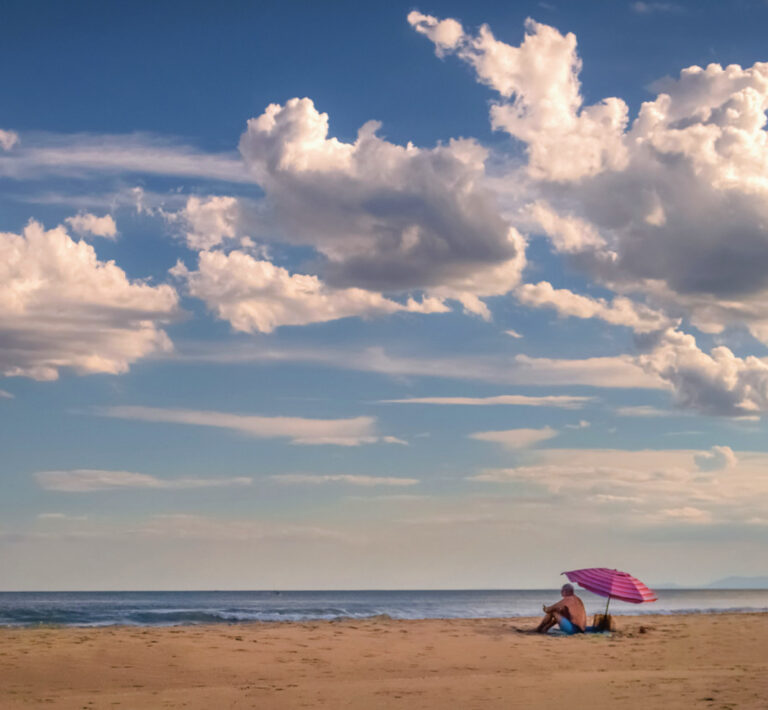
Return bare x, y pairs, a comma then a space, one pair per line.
154, 609
373, 617
682, 661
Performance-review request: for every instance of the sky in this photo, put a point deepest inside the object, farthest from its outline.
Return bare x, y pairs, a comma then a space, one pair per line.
377, 296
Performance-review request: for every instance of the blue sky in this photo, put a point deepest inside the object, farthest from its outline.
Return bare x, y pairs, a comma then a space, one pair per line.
251, 340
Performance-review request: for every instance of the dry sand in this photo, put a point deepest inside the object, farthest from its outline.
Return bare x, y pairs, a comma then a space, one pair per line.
679, 662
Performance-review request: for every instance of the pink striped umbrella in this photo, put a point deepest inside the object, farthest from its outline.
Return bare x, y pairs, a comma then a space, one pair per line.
613, 584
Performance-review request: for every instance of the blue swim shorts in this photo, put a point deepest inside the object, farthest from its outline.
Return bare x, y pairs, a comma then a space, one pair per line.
567, 627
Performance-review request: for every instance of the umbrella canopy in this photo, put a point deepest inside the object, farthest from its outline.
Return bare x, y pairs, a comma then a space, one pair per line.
612, 584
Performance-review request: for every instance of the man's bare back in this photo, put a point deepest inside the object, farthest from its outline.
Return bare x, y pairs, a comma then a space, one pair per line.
569, 607
573, 609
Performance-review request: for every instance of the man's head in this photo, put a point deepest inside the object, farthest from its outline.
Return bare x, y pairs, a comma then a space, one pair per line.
567, 590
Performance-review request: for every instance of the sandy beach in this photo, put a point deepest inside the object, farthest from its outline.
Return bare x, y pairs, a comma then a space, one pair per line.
691, 661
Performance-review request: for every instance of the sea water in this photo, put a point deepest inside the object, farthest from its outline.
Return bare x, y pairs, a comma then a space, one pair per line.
177, 608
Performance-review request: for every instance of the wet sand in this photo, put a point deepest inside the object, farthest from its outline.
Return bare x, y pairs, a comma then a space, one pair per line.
668, 662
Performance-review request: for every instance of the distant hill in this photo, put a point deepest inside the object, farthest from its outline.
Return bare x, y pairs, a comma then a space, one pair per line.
740, 583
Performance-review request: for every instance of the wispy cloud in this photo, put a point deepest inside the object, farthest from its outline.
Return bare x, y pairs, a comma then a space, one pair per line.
581, 424
643, 410
8, 139
299, 430
716, 459
386, 498
87, 480
687, 514
618, 371
515, 438
457, 519
648, 8
513, 333
6, 395
352, 480
187, 526
84, 197
86, 155
521, 400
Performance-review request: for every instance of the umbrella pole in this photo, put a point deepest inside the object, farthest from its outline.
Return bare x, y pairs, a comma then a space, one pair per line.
606, 604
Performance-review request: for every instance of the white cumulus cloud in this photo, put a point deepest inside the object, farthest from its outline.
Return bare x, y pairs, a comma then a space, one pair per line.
87, 223
209, 221
61, 307
446, 34
255, 295
384, 217
684, 233
717, 383
619, 311
541, 99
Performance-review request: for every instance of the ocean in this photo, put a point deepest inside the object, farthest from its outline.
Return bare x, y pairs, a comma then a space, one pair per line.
183, 608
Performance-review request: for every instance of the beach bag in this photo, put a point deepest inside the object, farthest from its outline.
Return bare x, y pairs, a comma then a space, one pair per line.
603, 622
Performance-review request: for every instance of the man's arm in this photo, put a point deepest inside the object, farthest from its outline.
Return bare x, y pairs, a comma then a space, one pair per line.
555, 607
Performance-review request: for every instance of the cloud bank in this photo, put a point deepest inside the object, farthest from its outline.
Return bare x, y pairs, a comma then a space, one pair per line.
647, 487
681, 245
684, 231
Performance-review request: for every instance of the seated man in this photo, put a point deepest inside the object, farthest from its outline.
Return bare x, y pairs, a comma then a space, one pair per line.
568, 613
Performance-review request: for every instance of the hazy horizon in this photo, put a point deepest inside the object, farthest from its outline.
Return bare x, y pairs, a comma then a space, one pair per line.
668, 586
